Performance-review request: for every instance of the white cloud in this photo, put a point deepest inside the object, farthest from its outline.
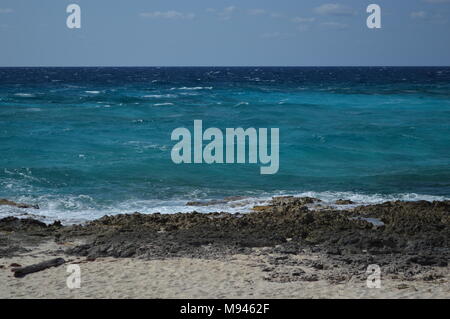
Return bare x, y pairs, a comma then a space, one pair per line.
264, 12
223, 14
334, 25
229, 9
303, 27
419, 15
303, 20
227, 12
269, 35
303, 24
6, 10
276, 35
435, 18
437, 1
171, 14
276, 15
257, 12
334, 9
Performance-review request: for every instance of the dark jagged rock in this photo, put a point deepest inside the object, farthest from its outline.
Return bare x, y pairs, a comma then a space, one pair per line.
11, 249
293, 201
344, 202
26, 224
17, 234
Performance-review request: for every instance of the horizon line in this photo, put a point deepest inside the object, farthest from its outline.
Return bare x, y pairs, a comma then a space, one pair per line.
230, 66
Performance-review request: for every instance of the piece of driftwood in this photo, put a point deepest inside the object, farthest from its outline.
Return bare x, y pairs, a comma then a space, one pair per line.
23, 271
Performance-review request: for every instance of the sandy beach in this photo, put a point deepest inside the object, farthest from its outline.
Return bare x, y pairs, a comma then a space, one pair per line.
238, 276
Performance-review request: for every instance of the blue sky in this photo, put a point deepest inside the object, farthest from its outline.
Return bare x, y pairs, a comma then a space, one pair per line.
224, 33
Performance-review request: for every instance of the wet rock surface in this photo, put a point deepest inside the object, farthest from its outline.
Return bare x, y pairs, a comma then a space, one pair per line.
226, 200
5, 202
18, 234
344, 202
412, 239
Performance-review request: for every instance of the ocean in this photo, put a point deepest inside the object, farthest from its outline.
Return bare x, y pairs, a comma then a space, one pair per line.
86, 142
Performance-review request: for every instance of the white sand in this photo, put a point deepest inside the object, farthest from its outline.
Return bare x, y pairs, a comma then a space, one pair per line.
238, 277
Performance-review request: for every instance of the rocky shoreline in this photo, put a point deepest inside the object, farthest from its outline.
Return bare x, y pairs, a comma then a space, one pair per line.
408, 240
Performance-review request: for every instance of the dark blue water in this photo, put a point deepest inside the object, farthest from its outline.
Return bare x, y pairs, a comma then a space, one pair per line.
83, 142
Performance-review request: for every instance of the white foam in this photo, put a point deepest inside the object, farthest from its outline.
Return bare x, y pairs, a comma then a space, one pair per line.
160, 96
163, 104
371, 198
34, 109
193, 88
24, 94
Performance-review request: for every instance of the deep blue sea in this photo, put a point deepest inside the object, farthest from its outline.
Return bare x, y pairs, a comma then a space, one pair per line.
85, 142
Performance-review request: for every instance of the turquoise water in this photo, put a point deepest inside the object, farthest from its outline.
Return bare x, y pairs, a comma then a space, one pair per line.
84, 142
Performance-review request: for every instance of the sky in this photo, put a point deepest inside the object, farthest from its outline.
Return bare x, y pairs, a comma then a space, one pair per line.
224, 33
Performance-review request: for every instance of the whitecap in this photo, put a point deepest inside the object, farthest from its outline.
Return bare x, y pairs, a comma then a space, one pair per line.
163, 104
160, 96
24, 94
193, 88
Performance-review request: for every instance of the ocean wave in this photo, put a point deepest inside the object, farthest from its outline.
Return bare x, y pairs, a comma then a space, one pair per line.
161, 96
33, 109
189, 94
163, 104
24, 95
25, 173
141, 146
193, 88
